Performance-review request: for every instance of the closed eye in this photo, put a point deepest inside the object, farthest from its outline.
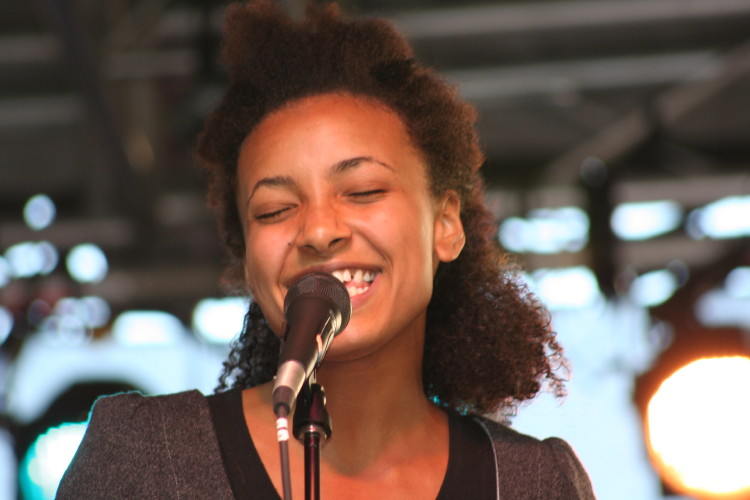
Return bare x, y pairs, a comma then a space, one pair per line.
271, 216
369, 195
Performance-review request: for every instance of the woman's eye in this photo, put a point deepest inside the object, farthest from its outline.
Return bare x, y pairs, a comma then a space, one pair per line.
367, 195
272, 215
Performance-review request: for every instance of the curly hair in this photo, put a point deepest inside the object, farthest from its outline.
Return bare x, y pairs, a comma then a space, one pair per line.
488, 342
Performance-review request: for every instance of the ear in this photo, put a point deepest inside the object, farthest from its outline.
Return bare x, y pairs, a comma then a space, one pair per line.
449, 231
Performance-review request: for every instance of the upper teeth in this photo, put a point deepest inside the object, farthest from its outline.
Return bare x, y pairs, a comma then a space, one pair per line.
357, 275
358, 280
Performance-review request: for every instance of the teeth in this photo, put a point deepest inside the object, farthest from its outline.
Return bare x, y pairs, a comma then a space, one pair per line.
353, 276
356, 275
354, 291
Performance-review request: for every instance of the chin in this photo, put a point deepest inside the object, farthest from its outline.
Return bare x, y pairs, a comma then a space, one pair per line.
351, 348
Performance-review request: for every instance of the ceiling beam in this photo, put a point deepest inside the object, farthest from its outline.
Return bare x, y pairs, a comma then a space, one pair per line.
569, 15
631, 130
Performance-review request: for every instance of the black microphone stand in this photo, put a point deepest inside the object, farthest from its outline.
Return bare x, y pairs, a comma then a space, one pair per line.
312, 426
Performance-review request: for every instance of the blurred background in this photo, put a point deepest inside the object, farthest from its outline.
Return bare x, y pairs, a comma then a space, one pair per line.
617, 135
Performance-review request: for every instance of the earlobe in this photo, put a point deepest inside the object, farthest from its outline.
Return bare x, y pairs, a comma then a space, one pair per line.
449, 230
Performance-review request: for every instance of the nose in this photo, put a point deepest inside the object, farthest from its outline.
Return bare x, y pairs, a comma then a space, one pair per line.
323, 231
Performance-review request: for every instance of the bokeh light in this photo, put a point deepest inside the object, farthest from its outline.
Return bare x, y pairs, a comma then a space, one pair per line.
644, 220
97, 311
28, 259
87, 263
566, 288
653, 288
718, 308
147, 327
67, 330
25, 259
219, 320
49, 257
697, 428
92, 311
39, 212
725, 218
737, 282
38, 311
546, 231
47, 458
6, 323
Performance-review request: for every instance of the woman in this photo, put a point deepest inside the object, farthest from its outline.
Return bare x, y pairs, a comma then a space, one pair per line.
334, 151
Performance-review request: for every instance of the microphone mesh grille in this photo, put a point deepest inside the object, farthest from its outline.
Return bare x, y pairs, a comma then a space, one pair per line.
323, 286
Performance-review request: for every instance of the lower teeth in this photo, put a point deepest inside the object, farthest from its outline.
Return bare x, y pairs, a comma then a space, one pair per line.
353, 290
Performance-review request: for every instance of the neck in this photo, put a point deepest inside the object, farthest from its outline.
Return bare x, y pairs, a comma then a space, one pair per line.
379, 412
376, 402
382, 393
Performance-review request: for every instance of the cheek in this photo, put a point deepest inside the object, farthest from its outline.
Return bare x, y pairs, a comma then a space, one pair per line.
408, 231
417, 232
260, 272
263, 256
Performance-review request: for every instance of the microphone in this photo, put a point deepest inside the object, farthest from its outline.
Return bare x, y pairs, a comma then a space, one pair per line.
316, 309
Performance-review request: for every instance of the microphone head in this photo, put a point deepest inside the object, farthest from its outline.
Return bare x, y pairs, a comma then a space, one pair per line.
322, 286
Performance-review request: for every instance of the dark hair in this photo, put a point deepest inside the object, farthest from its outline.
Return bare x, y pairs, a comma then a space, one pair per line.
488, 343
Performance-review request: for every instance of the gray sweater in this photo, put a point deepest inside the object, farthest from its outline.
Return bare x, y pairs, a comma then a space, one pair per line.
166, 447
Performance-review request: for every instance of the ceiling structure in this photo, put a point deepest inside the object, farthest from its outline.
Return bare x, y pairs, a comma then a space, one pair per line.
100, 103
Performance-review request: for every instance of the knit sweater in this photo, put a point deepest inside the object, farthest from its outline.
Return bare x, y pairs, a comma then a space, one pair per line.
166, 447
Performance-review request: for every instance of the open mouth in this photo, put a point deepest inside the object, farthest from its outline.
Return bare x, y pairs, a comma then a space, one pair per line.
356, 281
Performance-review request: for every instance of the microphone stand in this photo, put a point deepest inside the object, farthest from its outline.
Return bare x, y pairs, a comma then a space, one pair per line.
312, 426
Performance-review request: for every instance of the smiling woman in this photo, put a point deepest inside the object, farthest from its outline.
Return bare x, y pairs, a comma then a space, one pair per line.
354, 197
334, 151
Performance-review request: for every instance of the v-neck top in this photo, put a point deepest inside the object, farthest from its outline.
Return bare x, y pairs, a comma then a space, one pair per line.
167, 447
471, 462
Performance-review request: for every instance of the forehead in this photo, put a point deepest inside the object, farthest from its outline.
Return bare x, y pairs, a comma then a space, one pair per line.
328, 128
331, 101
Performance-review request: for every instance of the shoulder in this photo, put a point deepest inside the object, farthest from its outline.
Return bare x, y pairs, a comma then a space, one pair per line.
139, 446
134, 419
133, 405
532, 468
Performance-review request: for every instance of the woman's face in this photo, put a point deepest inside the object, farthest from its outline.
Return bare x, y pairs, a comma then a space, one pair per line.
332, 183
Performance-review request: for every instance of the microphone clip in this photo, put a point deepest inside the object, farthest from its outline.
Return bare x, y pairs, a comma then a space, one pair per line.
310, 413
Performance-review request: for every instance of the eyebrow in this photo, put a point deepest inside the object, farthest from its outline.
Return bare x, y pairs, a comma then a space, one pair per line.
351, 163
276, 181
336, 168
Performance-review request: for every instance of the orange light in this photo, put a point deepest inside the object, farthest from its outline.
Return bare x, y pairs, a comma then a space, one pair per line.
698, 428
